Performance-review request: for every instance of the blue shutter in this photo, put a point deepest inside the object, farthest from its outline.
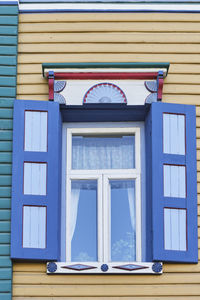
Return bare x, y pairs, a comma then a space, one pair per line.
36, 180
172, 183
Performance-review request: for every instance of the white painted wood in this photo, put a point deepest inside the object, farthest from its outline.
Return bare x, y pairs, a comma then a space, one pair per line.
35, 131
166, 133
167, 229
111, 269
105, 70
109, 6
182, 233
174, 134
175, 229
174, 181
134, 90
35, 178
34, 227
182, 182
181, 134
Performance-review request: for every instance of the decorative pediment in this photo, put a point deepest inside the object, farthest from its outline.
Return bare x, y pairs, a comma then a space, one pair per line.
96, 83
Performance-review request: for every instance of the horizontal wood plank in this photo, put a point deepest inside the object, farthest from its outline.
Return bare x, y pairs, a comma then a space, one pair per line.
107, 57
110, 298
8, 30
106, 48
110, 27
104, 290
11, 20
39, 278
5, 202
106, 37
9, 10
8, 40
112, 17
175, 68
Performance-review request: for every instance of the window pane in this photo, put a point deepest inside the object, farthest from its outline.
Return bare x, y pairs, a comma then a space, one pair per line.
123, 219
83, 220
103, 152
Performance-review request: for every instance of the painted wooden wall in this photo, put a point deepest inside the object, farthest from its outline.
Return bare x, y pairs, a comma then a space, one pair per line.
8, 73
100, 37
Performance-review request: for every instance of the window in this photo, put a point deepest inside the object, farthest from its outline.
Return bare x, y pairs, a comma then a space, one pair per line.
103, 192
168, 187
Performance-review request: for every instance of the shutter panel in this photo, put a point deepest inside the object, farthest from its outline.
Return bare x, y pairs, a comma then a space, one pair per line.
36, 180
172, 131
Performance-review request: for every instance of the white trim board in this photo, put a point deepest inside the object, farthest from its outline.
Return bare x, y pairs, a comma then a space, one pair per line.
105, 70
104, 7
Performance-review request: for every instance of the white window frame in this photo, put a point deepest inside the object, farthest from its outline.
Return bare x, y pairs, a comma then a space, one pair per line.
101, 128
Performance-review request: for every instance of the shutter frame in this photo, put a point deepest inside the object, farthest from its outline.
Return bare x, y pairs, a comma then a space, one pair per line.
52, 198
155, 167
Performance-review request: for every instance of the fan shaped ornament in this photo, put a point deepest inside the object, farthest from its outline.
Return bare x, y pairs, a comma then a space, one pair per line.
104, 93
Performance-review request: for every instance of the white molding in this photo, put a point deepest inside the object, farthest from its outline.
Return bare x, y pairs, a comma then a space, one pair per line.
105, 70
170, 7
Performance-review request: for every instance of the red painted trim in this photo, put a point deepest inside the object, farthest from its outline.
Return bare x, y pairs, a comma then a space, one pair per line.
51, 89
106, 75
160, 88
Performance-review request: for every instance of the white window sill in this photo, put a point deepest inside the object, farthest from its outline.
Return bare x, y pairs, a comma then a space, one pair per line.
103, 268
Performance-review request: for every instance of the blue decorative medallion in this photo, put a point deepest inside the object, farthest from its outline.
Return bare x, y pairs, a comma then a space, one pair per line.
51, 267
78, 267
104, 267
130, 267
157, 267
104, 93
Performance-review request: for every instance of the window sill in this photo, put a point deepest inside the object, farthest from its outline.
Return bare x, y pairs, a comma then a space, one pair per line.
103, 268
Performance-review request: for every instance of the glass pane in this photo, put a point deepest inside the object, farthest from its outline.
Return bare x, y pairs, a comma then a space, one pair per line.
83, 220
103, 152
123, 219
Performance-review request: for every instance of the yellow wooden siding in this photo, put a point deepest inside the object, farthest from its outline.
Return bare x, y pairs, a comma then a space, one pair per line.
109, 37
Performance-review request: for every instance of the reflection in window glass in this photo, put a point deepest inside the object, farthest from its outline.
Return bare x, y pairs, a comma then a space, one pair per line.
123, 220
83, 220
103, 152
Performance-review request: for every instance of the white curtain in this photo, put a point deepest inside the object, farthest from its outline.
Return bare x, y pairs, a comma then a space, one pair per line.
131, 201
75, 193
103, 152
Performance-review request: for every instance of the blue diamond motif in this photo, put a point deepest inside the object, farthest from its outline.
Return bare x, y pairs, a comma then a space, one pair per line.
79, 267
130, 267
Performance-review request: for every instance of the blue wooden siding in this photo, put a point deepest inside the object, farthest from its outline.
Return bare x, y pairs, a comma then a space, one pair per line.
8, 63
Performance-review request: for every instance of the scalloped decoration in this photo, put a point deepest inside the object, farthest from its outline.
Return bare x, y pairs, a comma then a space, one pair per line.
151, 98
59, 98
151, 86
104, 93
59, 86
